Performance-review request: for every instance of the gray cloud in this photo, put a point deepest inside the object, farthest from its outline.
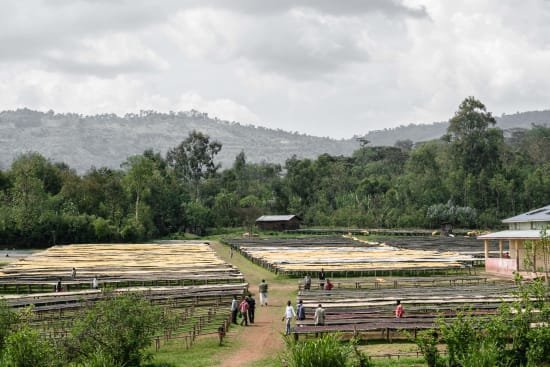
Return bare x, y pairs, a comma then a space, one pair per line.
301, 49
333, 7
71, 66
299, 65
31, 30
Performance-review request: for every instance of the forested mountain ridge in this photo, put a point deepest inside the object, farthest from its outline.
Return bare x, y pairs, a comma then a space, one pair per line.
425, 132
107, 140
472, 177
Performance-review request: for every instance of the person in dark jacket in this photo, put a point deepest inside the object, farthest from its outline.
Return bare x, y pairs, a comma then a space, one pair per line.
251, 308
300, 311
322, 279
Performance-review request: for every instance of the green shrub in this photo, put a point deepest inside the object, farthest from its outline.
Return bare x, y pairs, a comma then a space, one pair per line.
426, 341
118, 329
25, 348
484, 355
538, 351
327, 351
99, 359
460, 336
8, 319
103, 230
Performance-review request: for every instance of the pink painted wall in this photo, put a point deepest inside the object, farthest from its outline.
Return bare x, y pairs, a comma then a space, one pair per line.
501, 266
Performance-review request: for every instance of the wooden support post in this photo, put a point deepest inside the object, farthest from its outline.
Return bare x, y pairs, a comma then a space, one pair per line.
500, 248
517, 254
486, 245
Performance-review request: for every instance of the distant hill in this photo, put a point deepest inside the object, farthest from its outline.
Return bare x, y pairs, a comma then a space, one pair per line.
425, 132
107, 140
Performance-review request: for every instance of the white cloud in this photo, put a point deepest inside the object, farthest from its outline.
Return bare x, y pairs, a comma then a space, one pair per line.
223, 108
119, 53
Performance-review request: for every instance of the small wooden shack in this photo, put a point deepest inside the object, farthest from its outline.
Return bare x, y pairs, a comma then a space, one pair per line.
512, 249
278, 222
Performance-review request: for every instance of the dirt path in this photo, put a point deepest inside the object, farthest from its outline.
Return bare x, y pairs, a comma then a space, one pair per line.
262, 339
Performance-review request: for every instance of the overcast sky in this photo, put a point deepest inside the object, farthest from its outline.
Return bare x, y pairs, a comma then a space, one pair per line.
324, 67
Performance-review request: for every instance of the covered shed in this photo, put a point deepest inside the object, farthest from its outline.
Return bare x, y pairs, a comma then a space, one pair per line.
513, 251
278, 222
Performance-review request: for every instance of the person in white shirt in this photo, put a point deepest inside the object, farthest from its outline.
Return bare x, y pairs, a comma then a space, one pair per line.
263, 293
289, 315
234, 310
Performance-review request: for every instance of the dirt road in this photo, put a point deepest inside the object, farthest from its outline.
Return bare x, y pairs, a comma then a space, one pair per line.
264, 338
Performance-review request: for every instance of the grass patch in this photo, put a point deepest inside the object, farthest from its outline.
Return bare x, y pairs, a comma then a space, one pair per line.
268, 362
204, 353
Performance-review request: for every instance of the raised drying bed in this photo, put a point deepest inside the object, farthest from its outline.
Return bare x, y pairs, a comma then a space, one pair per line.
346, 257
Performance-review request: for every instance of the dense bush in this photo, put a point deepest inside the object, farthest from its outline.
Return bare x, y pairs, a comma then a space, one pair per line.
8, 322
26, 348
118, 329
326, 351
518, 336
113, 333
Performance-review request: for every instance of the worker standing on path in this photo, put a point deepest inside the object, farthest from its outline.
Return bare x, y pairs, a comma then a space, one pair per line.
243, 308
289, 315
263, 293
234, 309
251, 307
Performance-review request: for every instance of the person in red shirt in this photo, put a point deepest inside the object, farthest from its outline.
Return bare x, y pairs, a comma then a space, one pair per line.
243, 308
399, 311
328, 285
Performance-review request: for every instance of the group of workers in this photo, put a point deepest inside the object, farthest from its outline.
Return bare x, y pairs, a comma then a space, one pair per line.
245, 309
59, 286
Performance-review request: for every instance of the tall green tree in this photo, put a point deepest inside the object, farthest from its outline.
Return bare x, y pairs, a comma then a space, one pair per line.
193, 159
138, 179
475, 144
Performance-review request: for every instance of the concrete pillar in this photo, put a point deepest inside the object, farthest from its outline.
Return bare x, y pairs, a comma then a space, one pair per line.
500, 248
486, 244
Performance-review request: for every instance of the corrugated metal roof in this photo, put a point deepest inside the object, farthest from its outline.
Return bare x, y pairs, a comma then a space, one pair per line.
275, 218
537, 215
531, 234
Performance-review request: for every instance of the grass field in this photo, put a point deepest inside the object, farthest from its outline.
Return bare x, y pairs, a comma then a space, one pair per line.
205, 353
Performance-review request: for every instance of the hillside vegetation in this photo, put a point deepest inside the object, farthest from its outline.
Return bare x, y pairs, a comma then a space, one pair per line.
425, 132
473, 176
107, 140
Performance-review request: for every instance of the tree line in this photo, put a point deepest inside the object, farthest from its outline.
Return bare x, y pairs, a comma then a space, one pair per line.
472, 177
